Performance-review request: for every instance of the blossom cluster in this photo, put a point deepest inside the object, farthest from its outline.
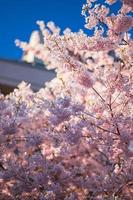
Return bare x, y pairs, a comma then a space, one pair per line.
73, 139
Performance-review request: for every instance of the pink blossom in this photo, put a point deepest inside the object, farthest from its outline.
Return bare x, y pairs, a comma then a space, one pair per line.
129, 3
73, 139
84, 78
123, 24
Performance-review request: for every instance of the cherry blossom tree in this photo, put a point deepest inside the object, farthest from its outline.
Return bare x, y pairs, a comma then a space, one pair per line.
73, 139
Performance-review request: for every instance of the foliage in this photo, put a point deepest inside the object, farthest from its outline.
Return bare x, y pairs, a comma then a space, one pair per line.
73, 139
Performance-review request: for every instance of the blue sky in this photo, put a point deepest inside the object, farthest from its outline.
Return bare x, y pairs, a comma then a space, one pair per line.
18, 19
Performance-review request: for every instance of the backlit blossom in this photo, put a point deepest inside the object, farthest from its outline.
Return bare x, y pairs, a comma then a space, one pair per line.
73, 139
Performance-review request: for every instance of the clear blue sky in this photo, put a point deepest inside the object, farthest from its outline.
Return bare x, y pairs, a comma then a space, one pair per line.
18, 19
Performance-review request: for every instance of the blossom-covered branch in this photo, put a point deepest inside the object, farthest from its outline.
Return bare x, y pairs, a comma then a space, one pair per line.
73, 139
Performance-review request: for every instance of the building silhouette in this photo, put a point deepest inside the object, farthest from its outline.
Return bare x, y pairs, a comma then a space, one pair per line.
29, 69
